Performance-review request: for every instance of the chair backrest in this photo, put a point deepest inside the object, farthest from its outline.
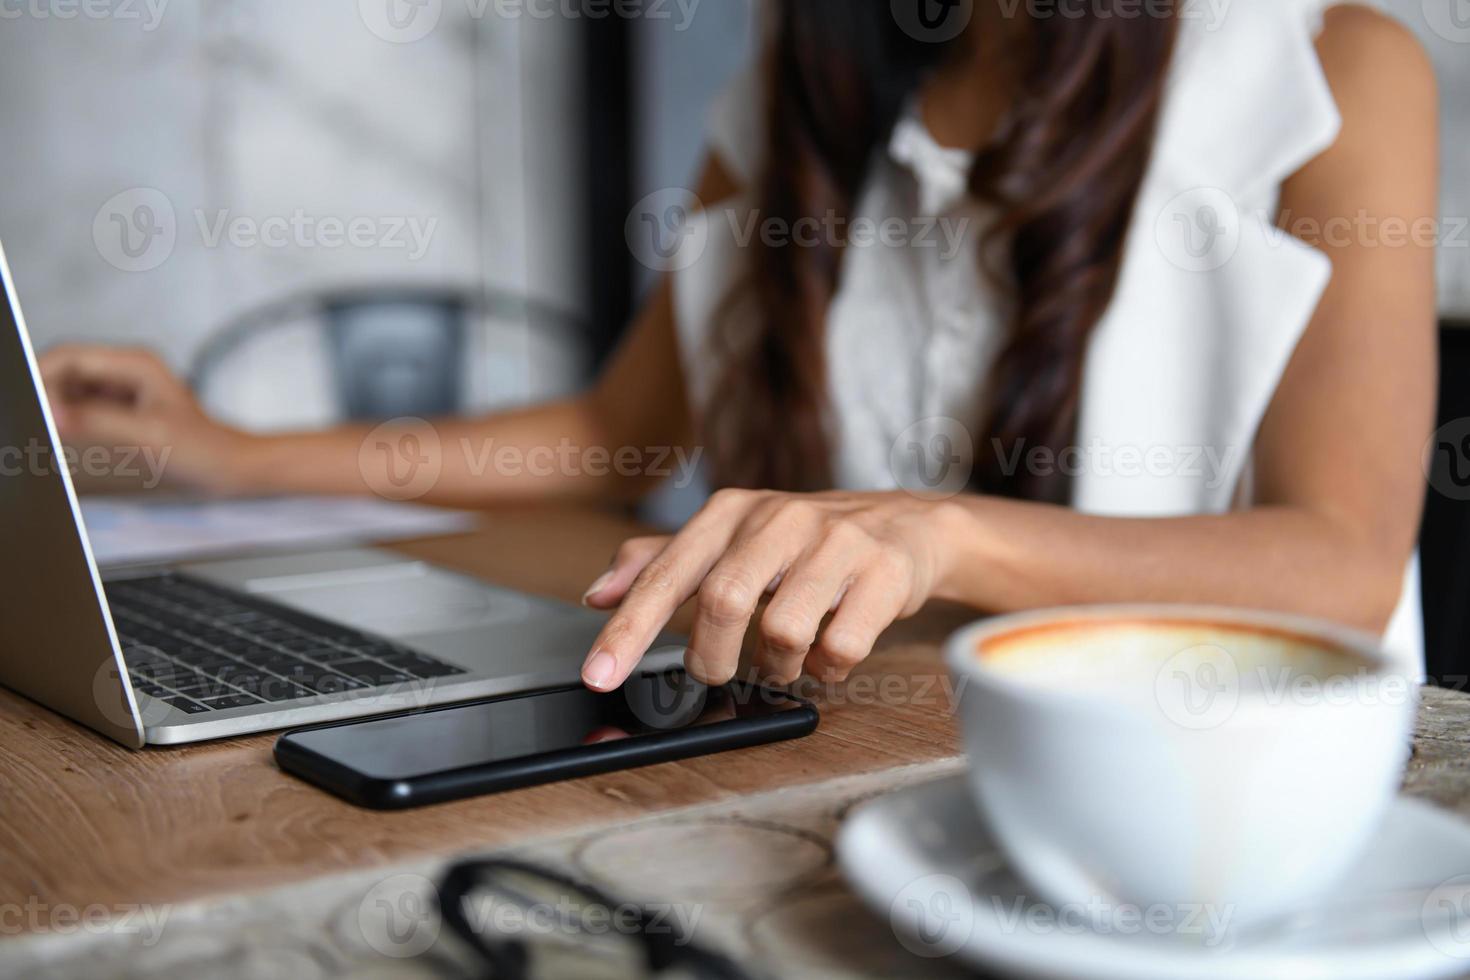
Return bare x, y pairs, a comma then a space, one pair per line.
398, 356
368, 354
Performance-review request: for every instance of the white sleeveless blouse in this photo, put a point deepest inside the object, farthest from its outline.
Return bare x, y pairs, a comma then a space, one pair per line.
1210, 303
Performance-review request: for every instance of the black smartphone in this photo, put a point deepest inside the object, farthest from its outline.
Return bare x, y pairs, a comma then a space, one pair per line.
408, 760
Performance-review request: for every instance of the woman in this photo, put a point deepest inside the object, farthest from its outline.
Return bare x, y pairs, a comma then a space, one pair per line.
1186, 367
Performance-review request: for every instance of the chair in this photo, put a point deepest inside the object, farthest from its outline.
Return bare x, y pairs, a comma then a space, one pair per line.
375, 353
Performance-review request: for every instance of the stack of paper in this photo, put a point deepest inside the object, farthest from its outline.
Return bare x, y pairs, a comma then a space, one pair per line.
136, 529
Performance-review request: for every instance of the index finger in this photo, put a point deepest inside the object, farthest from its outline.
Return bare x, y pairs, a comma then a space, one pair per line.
666, 583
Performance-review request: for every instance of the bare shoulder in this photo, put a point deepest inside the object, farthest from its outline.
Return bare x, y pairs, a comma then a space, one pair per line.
1374, 63
1386, 156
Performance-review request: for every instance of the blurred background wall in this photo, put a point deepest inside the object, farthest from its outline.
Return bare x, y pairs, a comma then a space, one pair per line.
172, 166
1444, 28
457, 137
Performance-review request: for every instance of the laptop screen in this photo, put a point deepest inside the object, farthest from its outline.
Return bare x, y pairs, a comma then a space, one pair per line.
57, 646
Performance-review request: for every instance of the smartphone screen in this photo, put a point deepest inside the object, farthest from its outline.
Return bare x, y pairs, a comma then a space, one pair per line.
507, 729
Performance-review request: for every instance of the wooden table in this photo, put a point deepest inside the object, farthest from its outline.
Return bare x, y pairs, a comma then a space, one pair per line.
86, 822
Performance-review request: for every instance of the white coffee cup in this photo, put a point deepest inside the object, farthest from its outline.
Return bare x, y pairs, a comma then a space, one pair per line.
1180, 758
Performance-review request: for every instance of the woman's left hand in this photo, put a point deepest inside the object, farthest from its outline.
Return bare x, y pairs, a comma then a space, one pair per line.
866, 559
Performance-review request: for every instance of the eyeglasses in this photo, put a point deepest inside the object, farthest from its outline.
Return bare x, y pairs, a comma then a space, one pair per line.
527, 922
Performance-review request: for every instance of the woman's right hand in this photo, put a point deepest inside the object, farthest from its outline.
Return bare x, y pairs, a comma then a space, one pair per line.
127, 401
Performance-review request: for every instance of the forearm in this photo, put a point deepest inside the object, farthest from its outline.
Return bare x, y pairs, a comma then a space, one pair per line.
1007, 555
557, 451
618, 440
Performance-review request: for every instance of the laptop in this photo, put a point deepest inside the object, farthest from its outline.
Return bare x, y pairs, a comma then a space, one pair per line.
159, 654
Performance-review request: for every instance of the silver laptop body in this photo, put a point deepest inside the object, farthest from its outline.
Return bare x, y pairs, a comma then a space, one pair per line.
61, 640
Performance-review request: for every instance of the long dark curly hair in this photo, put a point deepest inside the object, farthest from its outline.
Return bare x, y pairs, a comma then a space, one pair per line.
1062, 172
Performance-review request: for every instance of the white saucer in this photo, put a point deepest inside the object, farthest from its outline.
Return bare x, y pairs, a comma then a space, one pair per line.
921, 858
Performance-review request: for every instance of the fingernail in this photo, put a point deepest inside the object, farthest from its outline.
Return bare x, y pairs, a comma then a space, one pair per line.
597, 586
599, 670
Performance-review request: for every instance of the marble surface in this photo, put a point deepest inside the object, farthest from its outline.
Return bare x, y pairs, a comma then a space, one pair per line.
754, 878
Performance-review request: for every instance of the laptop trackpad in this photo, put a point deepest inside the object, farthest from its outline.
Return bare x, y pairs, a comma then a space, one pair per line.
398, 600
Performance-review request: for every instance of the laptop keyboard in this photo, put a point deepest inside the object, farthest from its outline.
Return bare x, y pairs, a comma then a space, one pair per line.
203, 648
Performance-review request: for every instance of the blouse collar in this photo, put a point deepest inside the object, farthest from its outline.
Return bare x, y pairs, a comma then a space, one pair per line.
942, 173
